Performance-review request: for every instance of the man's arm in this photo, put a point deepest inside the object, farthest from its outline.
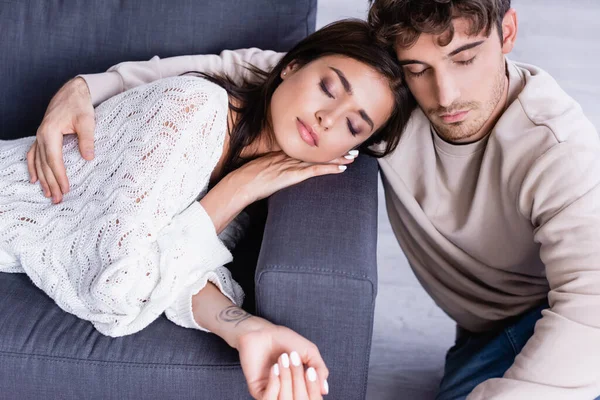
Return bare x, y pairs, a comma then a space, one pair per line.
71, 109
129, 74
561, 197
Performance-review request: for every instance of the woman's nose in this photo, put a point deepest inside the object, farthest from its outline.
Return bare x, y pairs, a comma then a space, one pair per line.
326, 118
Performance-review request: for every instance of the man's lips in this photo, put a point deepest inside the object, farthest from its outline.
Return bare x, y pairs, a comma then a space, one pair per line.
454, 117
306, 133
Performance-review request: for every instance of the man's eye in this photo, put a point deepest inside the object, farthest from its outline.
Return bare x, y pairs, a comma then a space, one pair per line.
324, 89
417, 74
466, 62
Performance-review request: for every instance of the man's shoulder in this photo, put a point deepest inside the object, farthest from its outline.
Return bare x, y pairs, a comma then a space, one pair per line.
543, 106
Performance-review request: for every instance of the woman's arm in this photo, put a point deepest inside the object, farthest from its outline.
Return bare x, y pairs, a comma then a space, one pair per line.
214, 311
262, 344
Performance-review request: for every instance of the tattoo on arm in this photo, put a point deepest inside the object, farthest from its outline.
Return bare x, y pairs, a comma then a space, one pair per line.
233, 314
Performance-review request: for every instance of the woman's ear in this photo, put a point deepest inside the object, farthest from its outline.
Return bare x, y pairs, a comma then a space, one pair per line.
289, 70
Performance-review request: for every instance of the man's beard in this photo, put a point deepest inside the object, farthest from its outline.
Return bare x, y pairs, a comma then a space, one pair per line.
463, 130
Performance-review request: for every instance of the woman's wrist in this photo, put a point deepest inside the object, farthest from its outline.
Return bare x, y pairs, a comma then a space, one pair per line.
237, 330
214, 311
224, 202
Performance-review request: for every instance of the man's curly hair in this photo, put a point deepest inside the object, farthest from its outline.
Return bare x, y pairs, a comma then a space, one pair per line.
400, 22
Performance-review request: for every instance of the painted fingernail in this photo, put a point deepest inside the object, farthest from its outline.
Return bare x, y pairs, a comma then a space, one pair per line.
311, 374
326, 386
276, 369
342, 167
353, 152
285, 360
349, 157
295, 358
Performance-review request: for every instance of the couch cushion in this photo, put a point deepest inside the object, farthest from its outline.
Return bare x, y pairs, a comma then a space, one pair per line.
47, 352
46, 42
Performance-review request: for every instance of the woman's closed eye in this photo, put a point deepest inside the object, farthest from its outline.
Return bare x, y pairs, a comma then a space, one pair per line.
325, 89
351, 128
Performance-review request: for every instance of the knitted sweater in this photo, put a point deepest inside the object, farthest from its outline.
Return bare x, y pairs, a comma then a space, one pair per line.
130, 241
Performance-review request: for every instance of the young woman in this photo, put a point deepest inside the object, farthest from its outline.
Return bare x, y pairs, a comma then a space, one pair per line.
148, 224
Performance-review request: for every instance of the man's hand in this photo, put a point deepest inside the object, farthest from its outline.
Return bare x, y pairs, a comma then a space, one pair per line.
70, 111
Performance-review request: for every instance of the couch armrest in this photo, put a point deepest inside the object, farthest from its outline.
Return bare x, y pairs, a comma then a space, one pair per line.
317, 269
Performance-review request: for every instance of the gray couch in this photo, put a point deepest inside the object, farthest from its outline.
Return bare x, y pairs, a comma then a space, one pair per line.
308, 262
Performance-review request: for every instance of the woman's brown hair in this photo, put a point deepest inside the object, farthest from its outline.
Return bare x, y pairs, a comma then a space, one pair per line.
350, 38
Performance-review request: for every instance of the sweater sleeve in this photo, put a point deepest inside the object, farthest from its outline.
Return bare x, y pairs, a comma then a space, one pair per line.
180, 242
561, 197
127, 75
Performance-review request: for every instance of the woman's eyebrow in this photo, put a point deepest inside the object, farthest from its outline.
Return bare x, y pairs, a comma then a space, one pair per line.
348, 88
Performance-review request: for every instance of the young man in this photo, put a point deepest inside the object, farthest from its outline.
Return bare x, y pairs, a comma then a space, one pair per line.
493, 192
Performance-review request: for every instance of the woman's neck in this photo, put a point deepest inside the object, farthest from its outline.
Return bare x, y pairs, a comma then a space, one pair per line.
262, 145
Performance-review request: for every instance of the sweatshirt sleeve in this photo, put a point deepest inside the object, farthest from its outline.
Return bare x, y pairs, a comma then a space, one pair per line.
126, 75
561, 197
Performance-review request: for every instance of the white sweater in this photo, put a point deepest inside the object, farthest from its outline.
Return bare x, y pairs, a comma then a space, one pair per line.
130, 240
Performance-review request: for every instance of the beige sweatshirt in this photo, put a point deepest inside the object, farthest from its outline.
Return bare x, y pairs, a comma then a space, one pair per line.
491, 228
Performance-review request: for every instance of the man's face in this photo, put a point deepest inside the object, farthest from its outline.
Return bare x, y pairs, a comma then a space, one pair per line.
459, 86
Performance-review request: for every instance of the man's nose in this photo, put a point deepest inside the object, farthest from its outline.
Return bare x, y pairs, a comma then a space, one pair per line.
447, 90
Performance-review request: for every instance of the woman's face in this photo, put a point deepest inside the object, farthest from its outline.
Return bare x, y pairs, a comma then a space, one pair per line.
324, 109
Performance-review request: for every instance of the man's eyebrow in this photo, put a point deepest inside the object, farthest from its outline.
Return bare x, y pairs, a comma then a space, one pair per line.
345, 83
406, 62
452, 54
465, 47
348, 88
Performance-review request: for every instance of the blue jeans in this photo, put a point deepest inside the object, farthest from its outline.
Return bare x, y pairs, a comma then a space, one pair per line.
476, 358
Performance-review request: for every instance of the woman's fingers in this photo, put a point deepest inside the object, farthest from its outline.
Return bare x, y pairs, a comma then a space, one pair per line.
298, 382
347, 159
285, 378
312, 384
342, 160
312, 357
272, 390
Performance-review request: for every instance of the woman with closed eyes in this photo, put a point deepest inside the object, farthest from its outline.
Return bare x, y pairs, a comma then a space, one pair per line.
147, 226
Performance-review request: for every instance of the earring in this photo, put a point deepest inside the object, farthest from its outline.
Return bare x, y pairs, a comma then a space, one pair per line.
285, 73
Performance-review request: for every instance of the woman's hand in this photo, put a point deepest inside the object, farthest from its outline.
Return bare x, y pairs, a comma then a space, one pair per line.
268, 174
266, 345
260, 344
261, 178
70, 111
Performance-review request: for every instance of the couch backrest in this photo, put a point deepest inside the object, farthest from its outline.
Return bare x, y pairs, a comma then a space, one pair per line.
46, 42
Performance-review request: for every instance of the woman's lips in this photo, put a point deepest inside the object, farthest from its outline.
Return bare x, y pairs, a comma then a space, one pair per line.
306, 134
456, 117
